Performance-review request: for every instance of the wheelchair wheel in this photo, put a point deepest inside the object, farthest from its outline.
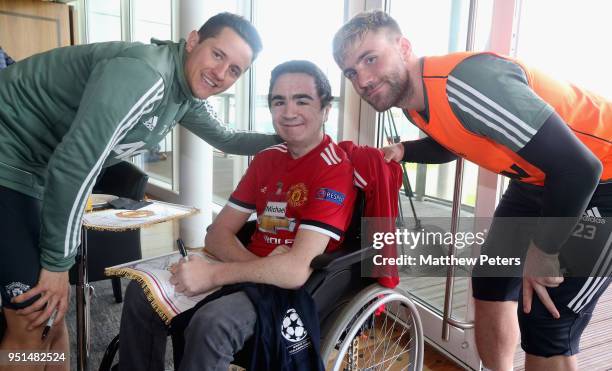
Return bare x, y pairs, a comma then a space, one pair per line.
366, 337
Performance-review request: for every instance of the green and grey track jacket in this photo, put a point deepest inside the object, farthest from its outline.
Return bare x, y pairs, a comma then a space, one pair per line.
67, 113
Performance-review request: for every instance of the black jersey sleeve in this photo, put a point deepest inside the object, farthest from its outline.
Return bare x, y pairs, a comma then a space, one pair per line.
426, 151
572, 174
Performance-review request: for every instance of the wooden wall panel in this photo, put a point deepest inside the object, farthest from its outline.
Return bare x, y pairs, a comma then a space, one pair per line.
28, 27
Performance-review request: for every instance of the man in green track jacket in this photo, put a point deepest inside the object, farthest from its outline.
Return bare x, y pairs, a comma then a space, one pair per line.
67, 113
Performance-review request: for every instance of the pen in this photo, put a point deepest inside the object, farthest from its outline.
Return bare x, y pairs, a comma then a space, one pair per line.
181, 247
48, 325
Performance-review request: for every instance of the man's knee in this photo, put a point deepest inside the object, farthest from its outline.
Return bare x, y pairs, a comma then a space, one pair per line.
135, 299
496, 333
17, 334
230, 318
493, 315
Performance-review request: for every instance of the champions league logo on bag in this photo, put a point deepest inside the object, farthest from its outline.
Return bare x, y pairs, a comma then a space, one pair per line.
293, 327
293, 331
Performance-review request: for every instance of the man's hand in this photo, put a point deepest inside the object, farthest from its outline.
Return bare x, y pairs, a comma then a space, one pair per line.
541, 271
54, 290
394, 152
193, 277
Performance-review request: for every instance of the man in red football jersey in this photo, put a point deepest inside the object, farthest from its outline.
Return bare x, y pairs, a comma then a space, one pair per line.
302, 191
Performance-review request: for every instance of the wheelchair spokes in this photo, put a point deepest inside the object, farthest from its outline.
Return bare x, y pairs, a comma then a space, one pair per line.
375, 340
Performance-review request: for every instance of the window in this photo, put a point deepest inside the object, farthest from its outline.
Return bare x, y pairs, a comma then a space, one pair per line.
232, 108
153, 19
137, 20
284, 38
566, 46
103, 20
433, 28
437, 27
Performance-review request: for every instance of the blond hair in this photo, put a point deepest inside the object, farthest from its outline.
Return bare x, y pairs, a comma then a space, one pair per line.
358, 27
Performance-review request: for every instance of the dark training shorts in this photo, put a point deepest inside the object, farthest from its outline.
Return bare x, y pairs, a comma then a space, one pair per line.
19, 251
576, 297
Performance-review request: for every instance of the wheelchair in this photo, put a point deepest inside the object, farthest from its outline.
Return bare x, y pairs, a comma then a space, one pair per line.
364, 326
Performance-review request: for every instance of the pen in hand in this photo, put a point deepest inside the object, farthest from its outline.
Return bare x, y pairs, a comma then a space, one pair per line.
181, 247
49, 325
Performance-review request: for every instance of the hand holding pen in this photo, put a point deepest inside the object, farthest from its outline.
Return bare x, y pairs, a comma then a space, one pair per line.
49, 324
181, 248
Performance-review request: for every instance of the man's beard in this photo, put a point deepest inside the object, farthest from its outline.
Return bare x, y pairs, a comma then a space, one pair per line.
400, 89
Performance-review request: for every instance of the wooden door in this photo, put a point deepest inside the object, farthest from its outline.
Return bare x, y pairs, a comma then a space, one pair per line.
28, 27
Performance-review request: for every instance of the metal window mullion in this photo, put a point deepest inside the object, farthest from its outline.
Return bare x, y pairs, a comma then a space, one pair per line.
84, 21
126, 20
249, 13
174, 19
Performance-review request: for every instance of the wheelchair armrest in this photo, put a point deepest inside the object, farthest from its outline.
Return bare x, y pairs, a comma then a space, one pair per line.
340, 259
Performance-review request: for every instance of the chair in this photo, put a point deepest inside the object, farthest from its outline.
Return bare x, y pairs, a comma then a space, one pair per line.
104, 248
363, 325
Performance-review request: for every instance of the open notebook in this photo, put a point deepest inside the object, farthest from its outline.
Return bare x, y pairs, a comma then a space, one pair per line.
153, 274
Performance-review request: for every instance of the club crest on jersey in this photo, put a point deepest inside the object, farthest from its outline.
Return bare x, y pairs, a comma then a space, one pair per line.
330, 195
297, 195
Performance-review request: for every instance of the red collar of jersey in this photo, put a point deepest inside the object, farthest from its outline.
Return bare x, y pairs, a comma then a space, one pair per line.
292, 162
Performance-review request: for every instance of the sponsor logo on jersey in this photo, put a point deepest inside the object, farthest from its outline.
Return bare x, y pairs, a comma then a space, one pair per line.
278, 241
297, 195
278, 209
330, 195
592, 215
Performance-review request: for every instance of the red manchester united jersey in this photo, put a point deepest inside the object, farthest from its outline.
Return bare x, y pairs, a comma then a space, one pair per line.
312, 192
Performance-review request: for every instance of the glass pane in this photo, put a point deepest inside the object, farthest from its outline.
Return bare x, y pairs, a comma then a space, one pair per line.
446, 22
563, 44
153, 19
158, 162
306, 43
446, 25
286, 38
103, 20
227, 169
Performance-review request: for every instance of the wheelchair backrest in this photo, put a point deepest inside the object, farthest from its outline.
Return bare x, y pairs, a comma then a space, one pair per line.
352, 236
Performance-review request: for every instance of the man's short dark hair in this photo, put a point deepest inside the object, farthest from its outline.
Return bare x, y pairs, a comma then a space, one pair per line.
321, 82
356, 29
240, 25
